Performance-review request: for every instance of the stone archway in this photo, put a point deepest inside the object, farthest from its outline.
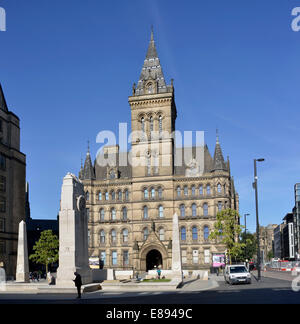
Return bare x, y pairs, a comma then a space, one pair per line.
153, 259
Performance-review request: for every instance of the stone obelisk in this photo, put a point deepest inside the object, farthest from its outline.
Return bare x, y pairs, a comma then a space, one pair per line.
73, 234
176, 251
22, 272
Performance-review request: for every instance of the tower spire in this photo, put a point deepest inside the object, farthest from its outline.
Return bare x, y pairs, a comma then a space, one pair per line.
152, 79
3, 104
219, 163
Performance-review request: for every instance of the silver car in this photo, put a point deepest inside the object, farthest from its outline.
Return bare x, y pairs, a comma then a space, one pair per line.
237, 274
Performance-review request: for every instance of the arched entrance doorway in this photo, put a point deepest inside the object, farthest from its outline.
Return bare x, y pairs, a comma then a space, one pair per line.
153, 259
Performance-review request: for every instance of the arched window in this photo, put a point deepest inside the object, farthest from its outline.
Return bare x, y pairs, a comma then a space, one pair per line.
205, 209
113, 235
124, 213
113, 195
194, 210
178, 192
146, 193
126, 194
152, 193
182, 210
161, 211
195, 233
206, 233
151, 124
183, 233
219, 206
87, 196
200, 190
106, 195
161, 234
159, 192
160, 124
193, 190
145, 233
145, 212
219, 188
102, 237
185, 190
100, 195
148, 165
143, 124
113, 214
119, 195
125, 235
208, 190
102, 215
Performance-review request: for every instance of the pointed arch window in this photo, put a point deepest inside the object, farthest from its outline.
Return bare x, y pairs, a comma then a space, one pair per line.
183, 233
200, 190
124, 213
219, 206
100, 195
182, 210
152, 193
145, 212
159, 192
113, 195
113, 214
125, 235
106, 196
119, 195
205, 209
113, 236
185, 190
146, 193
126, 194
208, 190
160, 124
178, 192
161, 211
194, 210
161, 234
219, 188
102, 237
102, 215
143, 124
193, 190
206, 233
195, 233
87, 196
151, 124
145, 233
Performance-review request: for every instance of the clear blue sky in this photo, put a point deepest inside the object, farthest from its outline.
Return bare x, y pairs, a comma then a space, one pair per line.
67, 68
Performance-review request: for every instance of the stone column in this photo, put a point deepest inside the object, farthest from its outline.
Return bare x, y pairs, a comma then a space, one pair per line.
73, 234
22, 272
176, 250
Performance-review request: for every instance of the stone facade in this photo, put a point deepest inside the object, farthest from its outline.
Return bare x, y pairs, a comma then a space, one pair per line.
12, 187
131, 208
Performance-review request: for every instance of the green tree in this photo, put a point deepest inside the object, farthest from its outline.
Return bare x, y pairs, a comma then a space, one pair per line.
227, 231
250, 248
45, 249
270, 255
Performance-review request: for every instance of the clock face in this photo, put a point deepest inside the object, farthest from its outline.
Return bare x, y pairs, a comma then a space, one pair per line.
81, 203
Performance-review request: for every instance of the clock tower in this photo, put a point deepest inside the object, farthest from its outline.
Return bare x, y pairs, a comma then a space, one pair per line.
153, 116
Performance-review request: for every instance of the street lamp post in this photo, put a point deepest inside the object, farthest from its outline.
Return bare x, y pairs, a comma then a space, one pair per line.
257, 221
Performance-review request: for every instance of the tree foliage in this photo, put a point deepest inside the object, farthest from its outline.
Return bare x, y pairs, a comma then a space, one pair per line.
227, 231
250, 248
46, 249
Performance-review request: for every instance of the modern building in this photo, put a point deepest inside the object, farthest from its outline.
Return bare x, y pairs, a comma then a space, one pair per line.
278, 244
288, 241
130, 205
296, 220
12, 186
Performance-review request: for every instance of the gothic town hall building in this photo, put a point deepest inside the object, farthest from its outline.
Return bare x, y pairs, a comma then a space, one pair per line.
130, 208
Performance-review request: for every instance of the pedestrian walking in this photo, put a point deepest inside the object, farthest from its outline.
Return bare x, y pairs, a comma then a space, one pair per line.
78, 283
158, 273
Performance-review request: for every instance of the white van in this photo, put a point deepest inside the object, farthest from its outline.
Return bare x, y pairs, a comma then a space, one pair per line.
236, 274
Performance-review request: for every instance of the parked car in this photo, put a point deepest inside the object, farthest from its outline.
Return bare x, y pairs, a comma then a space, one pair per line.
237, 274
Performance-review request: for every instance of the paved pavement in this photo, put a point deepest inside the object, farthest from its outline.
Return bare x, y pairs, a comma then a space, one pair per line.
269, 290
